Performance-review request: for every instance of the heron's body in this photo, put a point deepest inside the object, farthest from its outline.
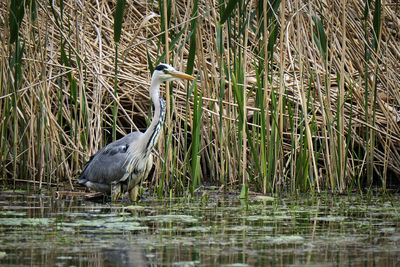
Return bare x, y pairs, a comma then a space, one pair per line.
111, 164
121, 165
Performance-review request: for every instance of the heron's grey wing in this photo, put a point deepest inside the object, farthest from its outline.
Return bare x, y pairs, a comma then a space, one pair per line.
107, 165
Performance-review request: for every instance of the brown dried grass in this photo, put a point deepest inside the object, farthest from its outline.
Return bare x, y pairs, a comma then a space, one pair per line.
55, 153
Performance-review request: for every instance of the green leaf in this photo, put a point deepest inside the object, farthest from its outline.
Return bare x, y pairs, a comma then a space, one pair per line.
272, 38
196, 142
376, 20
171, 46
320, 36
151, 67
31, 6
192, 49
244, 192
219, 39
16, 15
228, 10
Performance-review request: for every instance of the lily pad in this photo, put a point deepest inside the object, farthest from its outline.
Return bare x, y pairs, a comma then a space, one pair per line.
12, 213
172, 217
329, 218
268, 217
26, 221
387, 230
128, 226
198, 229
285, 239
235, 265
240, 228
186, 263
264, 198
134, 207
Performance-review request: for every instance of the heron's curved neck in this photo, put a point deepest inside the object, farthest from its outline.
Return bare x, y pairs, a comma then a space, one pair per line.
152, 133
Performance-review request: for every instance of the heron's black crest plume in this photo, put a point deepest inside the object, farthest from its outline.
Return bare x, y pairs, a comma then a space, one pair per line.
161, 67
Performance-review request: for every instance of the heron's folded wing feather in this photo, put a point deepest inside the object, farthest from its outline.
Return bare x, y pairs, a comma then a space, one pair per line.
108, 164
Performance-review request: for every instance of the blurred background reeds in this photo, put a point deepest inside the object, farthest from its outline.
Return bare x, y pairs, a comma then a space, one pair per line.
290, 96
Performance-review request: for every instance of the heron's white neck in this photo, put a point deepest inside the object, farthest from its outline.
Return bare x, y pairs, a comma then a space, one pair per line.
152, 133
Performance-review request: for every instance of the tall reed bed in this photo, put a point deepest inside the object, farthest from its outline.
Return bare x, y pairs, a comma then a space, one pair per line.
290, 95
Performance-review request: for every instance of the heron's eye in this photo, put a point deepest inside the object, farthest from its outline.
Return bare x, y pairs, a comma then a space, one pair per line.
165, 71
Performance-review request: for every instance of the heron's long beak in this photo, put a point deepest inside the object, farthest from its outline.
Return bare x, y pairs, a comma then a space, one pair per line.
182, 75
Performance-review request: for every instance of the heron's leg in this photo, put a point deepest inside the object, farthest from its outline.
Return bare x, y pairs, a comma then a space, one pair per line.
115, 191
133, 194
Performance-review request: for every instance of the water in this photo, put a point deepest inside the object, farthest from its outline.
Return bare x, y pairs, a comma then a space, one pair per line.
211, 230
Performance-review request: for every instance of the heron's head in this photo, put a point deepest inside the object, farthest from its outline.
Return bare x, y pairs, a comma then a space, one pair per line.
166, 73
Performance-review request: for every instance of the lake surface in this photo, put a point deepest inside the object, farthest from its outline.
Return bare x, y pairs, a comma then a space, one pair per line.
209, 230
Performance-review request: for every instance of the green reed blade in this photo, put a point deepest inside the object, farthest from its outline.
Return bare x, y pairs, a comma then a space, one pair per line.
239, 101
16, 15
151, 66
262, 122
196, 141
118, 19
192, 48
115, 106
171, 46
227, 12
320, 36
163, 19
376, 21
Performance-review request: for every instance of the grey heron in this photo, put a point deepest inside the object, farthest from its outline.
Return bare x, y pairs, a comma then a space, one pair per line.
122, 164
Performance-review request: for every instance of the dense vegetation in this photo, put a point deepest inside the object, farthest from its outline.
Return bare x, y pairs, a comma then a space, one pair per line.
291, 95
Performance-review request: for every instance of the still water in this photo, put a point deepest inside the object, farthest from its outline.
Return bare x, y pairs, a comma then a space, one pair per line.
209, 230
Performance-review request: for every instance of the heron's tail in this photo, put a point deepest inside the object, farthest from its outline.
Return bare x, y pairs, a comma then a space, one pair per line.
81, 181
